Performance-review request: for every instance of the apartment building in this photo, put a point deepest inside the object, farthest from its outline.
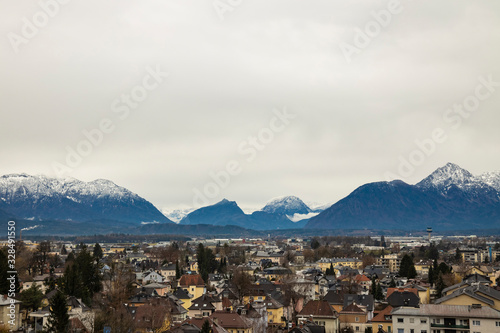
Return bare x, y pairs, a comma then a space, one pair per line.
437, 318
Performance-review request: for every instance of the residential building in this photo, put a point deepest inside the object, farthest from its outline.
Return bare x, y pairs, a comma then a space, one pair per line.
321, 313
433, 318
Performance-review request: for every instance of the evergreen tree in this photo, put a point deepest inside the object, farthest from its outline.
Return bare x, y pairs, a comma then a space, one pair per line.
431, 275
392, 284
458, 256
443, 268
82, 278
315, 244
373, 288
440, 285
379, 295
407, 267
98, 252
63, 250
205, 328
432, 252
71, 257
382, 242
58, 318
31, 299
4, 268
177, 270
206, 261
330, 271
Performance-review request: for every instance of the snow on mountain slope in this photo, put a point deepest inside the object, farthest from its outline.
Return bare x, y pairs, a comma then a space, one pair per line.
451, 180
491, 178
176, 214
40, 197
450, 174
288, 205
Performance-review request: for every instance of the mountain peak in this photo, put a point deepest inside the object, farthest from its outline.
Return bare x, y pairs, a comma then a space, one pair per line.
450, 174
288, 205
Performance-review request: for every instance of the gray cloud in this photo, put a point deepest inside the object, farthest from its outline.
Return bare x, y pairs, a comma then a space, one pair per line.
225, 78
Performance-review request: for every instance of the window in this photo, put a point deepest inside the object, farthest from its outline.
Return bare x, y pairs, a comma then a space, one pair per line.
356, 319
357, 328
412, 330
476, 322
423, 321
401, 320
423, 331
497, 324
401, 330
412, 320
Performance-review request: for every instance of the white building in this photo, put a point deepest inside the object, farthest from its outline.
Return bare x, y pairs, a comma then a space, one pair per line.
437, 318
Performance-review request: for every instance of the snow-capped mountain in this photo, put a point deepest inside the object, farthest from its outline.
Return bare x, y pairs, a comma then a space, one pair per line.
449, 198
287, 205
228, 212
452, 181
491, 178
178, 214
41, 198
446, 176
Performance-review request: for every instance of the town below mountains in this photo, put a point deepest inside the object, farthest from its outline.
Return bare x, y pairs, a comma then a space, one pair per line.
451, 198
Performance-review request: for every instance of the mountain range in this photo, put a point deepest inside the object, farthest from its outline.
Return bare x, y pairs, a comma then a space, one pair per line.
451, 198
275, 215
41, 198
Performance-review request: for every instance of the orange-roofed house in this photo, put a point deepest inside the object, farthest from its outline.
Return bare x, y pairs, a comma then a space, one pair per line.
364, 282
383, 320
193, 284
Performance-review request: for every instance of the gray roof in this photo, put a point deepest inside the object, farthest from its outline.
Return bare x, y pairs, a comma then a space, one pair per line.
476, 292
441, 310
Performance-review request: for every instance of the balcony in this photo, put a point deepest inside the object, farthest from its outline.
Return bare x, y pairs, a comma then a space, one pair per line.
463, 327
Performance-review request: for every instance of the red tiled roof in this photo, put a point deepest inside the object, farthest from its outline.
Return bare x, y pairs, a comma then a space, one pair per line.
380, 317
191, 280
361, 278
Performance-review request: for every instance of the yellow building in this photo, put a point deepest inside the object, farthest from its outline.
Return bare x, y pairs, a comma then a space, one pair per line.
325, 263
193, 266
383, 320
321, 313
193, 284
274, 312
474, 294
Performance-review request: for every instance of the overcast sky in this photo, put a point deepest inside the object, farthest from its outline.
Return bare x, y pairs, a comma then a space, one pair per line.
356, 113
